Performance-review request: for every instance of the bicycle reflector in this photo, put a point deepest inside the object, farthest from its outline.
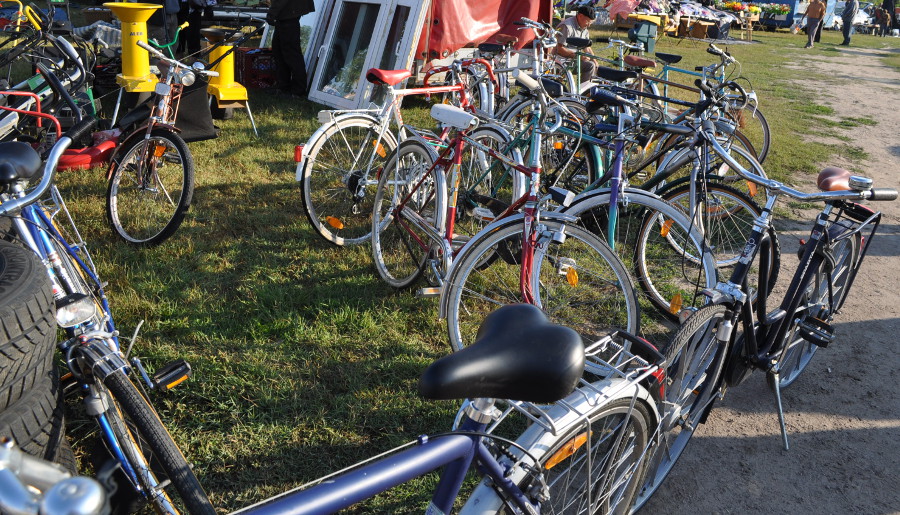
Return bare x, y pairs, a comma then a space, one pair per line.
572, 276
298, 154
567, 450
666, 227
675, 304
379, 148
334, 222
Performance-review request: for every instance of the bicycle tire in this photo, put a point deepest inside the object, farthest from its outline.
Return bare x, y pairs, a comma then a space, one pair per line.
145, 211
399, 250
144, 433
480, 282
728, 218
797, 352
335, 186
692, 366
612, 491
669, 281
757, 130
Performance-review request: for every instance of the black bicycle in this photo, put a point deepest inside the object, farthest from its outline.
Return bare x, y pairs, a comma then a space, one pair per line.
720, 344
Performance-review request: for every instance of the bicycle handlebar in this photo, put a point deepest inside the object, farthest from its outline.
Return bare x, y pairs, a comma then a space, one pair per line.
772, 185
173, 62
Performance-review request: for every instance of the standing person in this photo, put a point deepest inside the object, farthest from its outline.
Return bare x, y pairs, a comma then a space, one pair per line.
814, 14
577, 27
290, 67
851, 7
888, 5
162, 25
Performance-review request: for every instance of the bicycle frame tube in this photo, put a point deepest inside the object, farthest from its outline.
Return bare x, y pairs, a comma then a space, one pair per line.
455, 451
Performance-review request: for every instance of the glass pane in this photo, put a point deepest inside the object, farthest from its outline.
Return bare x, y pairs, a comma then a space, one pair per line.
391, 56
308, 25
348, 48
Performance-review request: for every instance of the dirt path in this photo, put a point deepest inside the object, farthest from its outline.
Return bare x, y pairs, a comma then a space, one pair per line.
843, 415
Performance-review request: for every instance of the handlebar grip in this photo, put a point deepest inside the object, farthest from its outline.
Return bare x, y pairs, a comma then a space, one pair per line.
58, 88
519, 23
602, 40
527, 80
145, 46
712, 49
883, 194
82, 128
704, 87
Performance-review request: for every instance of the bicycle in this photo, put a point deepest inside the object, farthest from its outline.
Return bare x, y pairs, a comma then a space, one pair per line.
151, 464
339, 165
151, 173
728, 339
578, 425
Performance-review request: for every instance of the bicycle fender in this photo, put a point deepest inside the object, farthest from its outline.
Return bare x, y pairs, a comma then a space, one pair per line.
605, 192
311, 150
516, 219
485, 499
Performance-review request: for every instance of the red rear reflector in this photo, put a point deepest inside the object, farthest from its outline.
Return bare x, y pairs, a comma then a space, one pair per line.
298, 153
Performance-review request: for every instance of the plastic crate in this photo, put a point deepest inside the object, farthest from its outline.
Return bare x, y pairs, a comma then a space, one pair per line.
254, 67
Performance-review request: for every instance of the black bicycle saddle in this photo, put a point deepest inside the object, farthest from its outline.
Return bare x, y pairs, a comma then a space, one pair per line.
17, 161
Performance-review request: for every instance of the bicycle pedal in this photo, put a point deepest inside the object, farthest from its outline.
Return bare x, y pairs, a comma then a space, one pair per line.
429, 292
171, 375
817, 332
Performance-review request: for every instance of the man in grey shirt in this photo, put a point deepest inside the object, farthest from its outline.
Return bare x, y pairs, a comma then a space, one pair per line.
851, 7
577, 27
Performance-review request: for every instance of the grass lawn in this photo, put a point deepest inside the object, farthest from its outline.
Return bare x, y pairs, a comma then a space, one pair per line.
304, 361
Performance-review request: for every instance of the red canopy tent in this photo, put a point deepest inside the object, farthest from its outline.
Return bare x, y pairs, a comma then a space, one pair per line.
454, 24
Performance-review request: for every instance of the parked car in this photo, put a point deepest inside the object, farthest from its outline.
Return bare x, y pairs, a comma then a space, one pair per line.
865, 17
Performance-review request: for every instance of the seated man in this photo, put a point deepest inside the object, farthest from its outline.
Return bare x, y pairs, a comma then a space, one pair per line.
577, 27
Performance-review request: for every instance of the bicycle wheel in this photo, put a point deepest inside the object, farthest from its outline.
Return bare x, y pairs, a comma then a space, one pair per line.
400, 248
338, 176
797, 351
150, 188
578, 283
165, 477
753, 124
692, 366
487, 186
650, 237
680, 164
726, 217
600, 476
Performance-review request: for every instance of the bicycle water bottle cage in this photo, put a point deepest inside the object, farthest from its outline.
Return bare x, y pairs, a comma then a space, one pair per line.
668, 58
452, 116
17, 161
387, 77
614, 75
518, 355
578, 43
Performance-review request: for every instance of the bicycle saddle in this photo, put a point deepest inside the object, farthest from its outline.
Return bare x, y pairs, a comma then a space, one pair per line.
668, 58
506, 39
832, 178
578, 43
490, 48
216, 35
615, 75
554, 89
518, 355
600, 98
388, 77
639, 62
17, 161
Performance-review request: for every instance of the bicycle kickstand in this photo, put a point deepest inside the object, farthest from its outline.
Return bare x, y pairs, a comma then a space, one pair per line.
775, 379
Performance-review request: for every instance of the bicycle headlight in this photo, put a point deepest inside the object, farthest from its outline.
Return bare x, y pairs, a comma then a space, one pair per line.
74, 309
187, 78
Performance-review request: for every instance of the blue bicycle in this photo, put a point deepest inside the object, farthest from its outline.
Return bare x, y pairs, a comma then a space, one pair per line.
146, 463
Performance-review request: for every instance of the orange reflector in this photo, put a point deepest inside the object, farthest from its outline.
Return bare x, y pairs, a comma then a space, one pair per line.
567, 450
666, 227
334, 222
572, 276
177, 382
753, 188
298, 153
159, 150
379, 148
675, 304
557, 145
